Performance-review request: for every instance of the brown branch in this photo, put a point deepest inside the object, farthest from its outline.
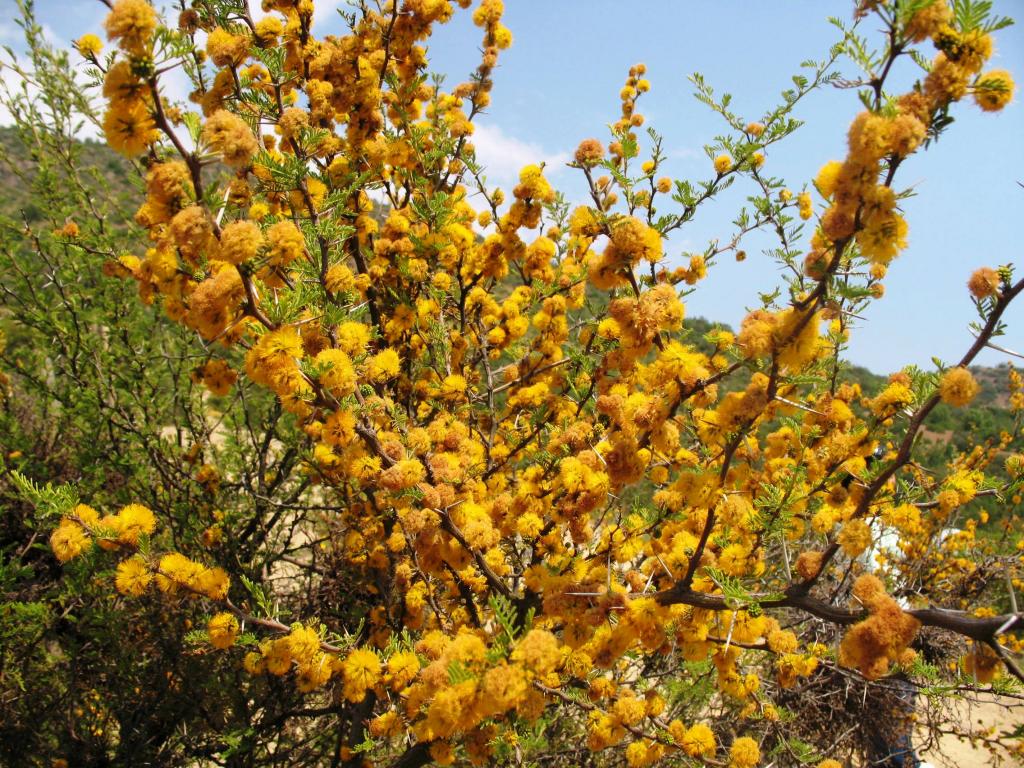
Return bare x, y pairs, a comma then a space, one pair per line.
981, 629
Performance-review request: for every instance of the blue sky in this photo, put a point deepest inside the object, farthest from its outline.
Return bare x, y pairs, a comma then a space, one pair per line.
559, 84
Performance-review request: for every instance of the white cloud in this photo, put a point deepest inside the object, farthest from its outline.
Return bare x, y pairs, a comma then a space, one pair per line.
504, 156
50, 36
10, 32
325, 11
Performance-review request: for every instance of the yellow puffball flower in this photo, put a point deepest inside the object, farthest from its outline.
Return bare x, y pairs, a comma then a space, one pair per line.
337, 374
805, 205
89, 46
855, 537
340, 279
984, 283
402, 668
240, 241
230, 136
134, 521
133, 577
699, 741
744, 753
129, 128
453, 387
827, 177
222, 630
214, 583
361, 671
723, 163
538, 651
68, 540
384, 365
957, 387
133, 23
994, 90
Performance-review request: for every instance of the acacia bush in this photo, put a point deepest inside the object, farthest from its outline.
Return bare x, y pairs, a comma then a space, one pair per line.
387, 466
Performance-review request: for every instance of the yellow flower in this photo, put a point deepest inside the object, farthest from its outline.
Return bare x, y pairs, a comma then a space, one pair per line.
744, 753
403, 474
129, 128
240, 241
213, 582
226, 49
957, 387
922, 25
402, 668
89, 46
503, 687
636, 755
804, 204
453, 387
538, 651
855, 537
698, 741
632, 241
994, 90
286, 243
1014, 465
230, 136
133, 576
313, 673
384, 365
277, 656
217, 376
134, 520
222, 630
723, 163
387, 724
68, 540
828, 177
589, 152
733, 560
361, 671
303, 643
984, 282
338, 375
133, 23
630, 711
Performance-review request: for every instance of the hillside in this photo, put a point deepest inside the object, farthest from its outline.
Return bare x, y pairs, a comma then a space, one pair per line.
19, 172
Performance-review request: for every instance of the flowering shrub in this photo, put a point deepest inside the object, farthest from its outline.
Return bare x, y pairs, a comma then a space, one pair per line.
524, 508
